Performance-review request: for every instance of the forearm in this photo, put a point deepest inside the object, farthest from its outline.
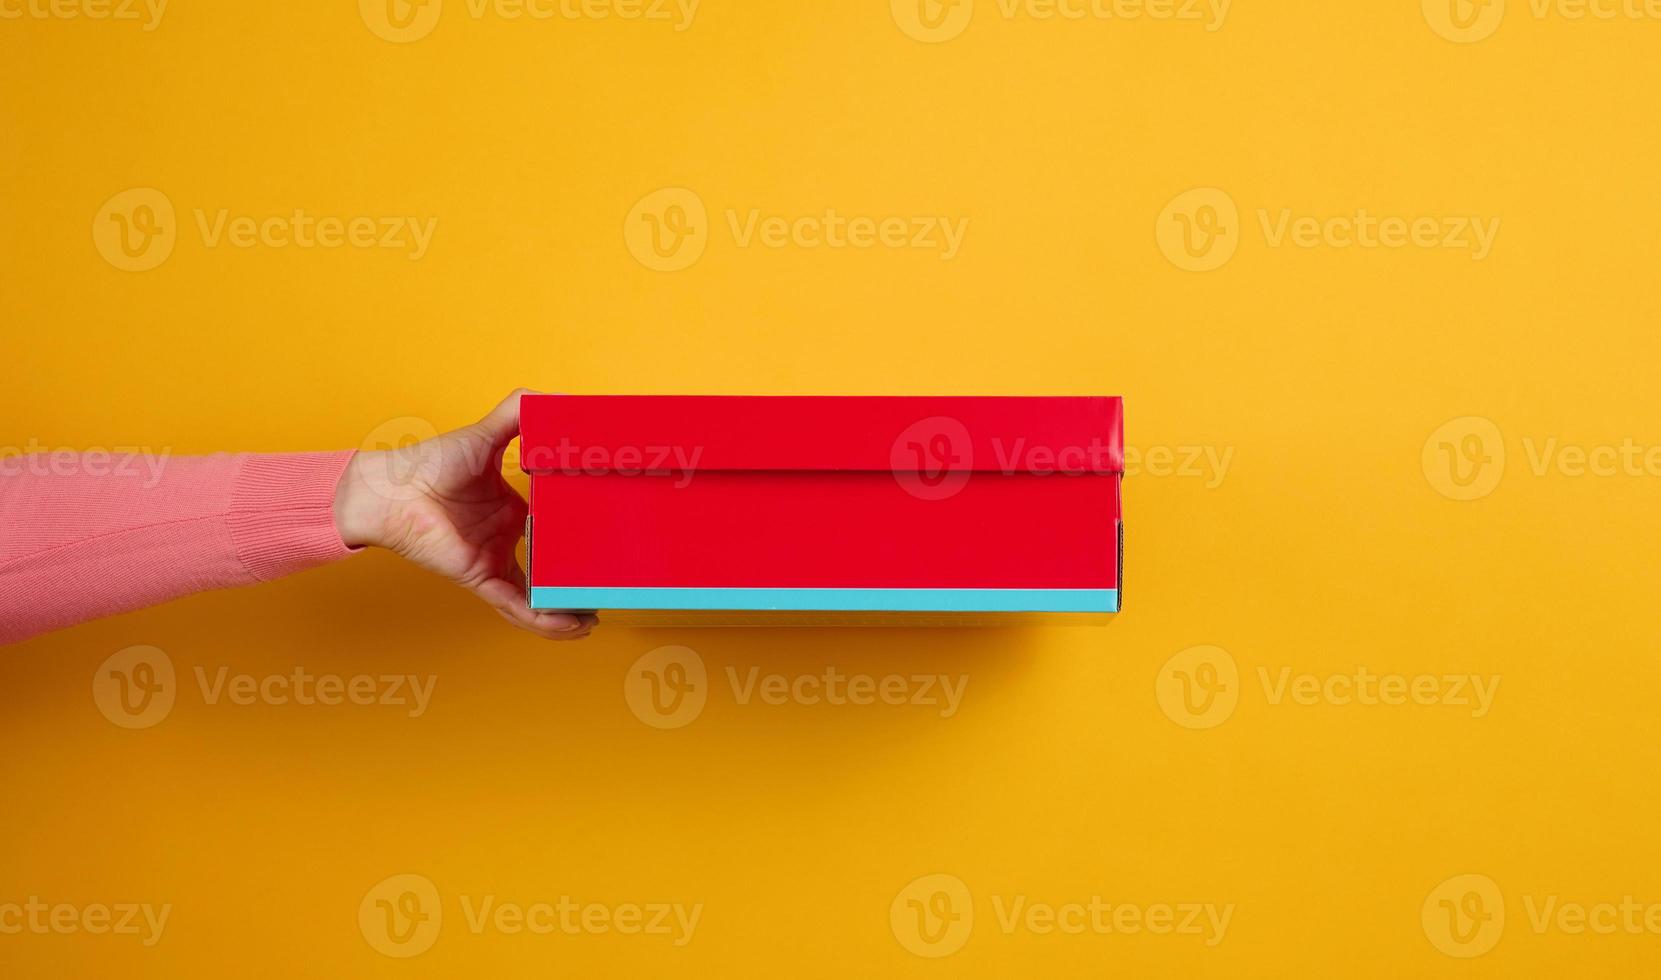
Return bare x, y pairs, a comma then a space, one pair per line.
79, 541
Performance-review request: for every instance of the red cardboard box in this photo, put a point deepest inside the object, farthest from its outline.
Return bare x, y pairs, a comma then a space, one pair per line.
738, 505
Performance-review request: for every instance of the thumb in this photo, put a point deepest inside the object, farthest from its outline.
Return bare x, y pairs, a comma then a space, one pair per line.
502, 424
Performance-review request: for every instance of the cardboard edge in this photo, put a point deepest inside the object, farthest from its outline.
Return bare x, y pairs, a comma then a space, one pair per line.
750, 619
1119, 605
1064, 602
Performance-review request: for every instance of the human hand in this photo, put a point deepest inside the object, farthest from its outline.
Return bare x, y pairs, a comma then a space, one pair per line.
443, 504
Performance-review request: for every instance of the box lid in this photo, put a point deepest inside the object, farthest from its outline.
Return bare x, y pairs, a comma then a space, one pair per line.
576, 434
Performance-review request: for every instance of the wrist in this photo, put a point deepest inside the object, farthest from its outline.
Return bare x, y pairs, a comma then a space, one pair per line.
360, 511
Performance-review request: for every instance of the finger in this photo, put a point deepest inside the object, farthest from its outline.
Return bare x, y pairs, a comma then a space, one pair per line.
514, 575
509, 600
510, 518
505, 547
549, 626
555, 625
544, 633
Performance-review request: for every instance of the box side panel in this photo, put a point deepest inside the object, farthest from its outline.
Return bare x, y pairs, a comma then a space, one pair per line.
825, 531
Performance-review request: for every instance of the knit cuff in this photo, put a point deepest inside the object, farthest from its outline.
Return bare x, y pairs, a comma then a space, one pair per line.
282, 513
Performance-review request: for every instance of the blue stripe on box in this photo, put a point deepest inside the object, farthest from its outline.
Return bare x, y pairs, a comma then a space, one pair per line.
831, 600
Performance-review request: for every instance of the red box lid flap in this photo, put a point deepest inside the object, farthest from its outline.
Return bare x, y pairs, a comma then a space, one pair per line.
600, 434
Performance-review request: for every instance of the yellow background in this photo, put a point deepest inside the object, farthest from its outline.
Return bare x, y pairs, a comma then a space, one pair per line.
1326, 547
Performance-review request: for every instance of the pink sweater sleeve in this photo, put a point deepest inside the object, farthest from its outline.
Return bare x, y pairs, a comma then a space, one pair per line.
83, 536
